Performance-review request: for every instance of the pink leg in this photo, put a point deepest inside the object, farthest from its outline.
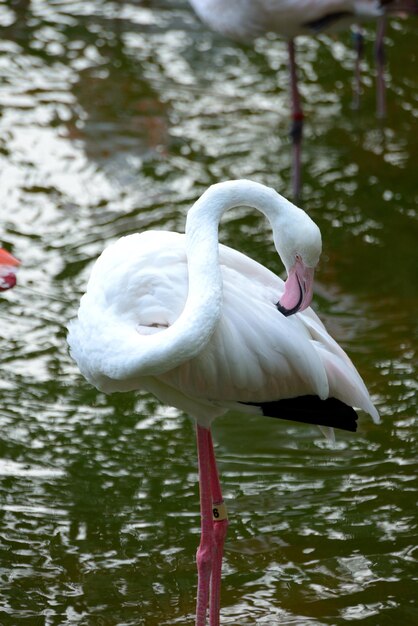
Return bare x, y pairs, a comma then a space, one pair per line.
214, 524
204, 555
359, 48
296, 129
380, 66
220, 526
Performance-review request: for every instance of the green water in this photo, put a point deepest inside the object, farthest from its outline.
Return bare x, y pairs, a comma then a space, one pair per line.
115, 116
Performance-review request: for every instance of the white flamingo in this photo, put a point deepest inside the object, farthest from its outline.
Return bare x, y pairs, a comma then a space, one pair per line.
244, 20
8, 265
208, 330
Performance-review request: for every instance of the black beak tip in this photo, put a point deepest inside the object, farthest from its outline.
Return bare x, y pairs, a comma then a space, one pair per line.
284, 311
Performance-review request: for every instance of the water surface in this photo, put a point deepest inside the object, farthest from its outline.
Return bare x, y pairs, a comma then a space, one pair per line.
115, 116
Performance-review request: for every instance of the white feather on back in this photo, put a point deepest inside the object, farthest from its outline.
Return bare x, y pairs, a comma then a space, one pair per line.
246, 19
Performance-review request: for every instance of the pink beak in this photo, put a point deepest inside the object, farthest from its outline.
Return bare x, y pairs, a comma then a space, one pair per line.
7, 273
298, 289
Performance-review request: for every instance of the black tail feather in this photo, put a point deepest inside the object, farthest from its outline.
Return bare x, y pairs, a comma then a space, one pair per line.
312, 410
409, 7
327, 20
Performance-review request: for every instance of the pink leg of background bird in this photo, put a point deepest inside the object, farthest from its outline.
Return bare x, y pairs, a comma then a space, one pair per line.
296, 129
358, 37
209, 553
380, 67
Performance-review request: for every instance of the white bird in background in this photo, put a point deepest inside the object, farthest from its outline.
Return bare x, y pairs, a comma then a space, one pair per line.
8, 265
208, 330
244, 20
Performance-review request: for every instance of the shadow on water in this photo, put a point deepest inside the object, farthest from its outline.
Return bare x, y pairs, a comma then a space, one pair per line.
114, 117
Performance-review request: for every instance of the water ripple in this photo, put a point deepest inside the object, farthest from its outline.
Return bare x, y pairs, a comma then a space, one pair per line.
115, 116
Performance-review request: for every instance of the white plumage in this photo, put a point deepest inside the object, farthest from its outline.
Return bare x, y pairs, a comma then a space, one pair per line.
230, 344
246, 19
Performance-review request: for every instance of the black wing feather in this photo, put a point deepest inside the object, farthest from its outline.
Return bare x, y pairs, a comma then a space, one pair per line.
312, 410
326, 20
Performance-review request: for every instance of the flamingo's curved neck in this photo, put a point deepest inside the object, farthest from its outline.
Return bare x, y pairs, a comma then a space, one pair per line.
192, 330
205, 283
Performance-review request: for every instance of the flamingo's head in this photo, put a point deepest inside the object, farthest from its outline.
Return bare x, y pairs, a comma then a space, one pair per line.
8, 265
301, 246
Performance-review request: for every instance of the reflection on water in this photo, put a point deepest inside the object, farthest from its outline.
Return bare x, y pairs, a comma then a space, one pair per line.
114, 117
